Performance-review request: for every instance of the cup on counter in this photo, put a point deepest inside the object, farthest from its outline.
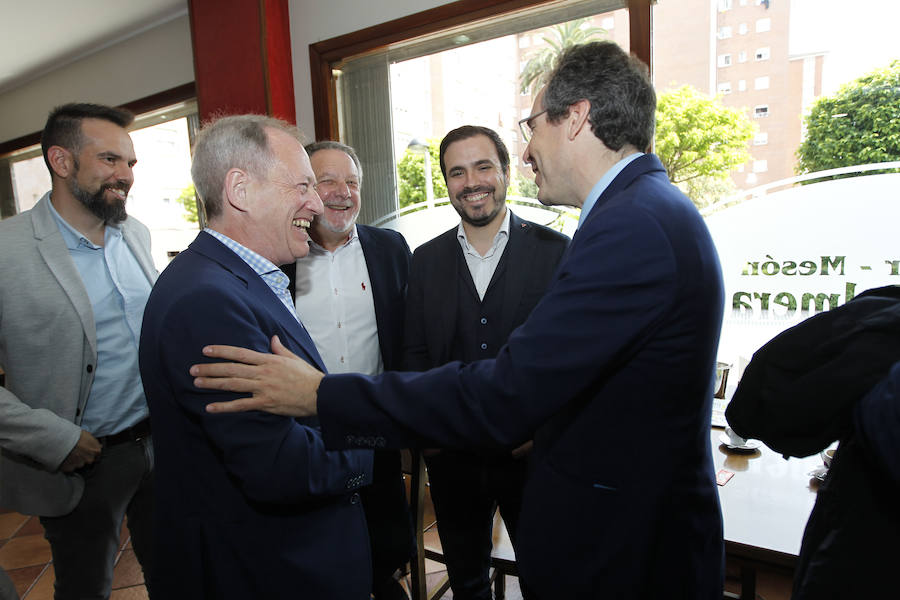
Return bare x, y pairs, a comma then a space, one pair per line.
733, 438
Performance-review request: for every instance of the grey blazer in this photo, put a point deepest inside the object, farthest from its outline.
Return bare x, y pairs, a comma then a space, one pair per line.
48, 348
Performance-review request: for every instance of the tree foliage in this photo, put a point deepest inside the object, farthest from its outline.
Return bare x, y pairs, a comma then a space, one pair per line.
188, 200
411, 175
524, 187
700, 141
564, 36
857, 125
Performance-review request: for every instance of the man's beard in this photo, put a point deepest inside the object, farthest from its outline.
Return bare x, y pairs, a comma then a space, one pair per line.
111, 213
348, 222
496, 206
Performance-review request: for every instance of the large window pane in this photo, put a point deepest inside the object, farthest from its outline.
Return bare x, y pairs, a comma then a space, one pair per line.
793, 245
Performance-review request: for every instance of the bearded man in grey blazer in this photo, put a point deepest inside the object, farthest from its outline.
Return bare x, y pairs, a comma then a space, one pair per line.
74, 428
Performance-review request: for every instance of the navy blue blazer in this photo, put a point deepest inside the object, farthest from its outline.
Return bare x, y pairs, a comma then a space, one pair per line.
612, 376
249, 505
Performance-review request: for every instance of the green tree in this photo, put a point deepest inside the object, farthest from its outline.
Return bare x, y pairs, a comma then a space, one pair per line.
857, 125
700, 141
564, 36
411, 175
525, 187
187, 199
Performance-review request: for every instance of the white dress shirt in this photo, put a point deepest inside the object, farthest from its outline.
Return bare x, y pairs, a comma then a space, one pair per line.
334, 301
482, 267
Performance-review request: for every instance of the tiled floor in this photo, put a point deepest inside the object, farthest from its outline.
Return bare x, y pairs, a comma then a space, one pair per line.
25, 556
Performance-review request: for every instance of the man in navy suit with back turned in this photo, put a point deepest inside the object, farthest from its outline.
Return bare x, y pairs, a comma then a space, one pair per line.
249, 505
611, 374
350, 291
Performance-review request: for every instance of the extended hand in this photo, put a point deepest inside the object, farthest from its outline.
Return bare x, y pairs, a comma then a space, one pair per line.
86, 451
281, 383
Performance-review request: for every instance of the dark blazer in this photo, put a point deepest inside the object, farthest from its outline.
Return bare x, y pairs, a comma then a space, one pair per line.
612, 375
248, 505
531, 256
387, 261
798, 393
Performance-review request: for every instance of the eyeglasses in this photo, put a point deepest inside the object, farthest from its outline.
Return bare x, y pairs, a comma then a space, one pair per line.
525, 125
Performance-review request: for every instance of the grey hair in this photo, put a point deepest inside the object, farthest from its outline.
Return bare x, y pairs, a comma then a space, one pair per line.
623, 102
226, 143
332, 145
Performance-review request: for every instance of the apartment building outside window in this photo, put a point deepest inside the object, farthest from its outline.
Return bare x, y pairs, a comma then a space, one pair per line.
724, 88
763, 25
763, 53
724, 60
761, 138
761, 83
724, 32
761, 111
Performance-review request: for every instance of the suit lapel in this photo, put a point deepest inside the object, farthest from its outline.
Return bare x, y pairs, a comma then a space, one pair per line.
260, 291
520, 248
372, 250
442, 300
139, 252
54, 252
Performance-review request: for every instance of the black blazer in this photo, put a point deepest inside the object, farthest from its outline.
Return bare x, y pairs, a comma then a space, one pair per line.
531, 256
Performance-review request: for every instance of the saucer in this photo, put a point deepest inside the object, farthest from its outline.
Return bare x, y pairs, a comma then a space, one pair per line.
819, 472
747, 446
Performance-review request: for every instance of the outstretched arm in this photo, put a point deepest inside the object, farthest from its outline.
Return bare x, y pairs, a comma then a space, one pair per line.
281, 383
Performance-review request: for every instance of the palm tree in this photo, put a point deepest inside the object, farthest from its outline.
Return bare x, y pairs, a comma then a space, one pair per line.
566, 35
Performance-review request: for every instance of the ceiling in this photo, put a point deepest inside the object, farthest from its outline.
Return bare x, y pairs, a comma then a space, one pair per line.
39, 36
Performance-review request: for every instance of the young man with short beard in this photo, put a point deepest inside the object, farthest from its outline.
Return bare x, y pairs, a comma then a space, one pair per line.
468, 289
74, 425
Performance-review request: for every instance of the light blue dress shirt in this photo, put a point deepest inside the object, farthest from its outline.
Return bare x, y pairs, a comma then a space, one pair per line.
266, 269
601, 185
118, 290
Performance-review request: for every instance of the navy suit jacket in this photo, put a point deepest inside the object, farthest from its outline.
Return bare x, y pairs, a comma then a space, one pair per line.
249, 505
612, 375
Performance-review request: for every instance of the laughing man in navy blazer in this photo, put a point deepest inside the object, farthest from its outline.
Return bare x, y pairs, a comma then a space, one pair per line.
611, 374
249, 505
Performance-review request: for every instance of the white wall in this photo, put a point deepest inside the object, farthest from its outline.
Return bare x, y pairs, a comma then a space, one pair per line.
151, 62
314, 20
162, 58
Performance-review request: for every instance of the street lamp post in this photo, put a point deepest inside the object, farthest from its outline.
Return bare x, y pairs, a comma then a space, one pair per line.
417, 146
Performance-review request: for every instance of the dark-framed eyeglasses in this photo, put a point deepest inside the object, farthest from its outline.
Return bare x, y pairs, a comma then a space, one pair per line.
525, 125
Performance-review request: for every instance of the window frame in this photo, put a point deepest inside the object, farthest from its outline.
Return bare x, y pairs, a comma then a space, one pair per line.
324, 54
